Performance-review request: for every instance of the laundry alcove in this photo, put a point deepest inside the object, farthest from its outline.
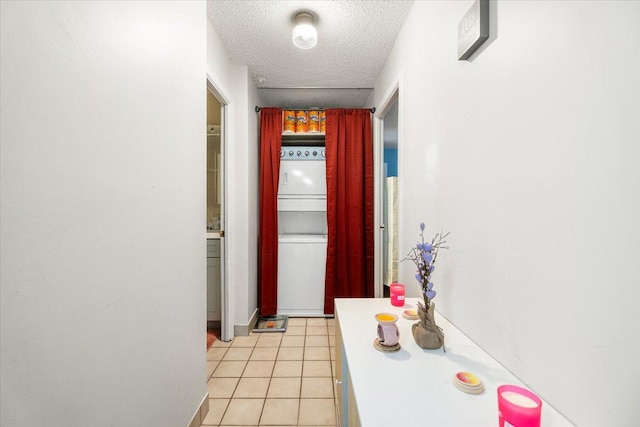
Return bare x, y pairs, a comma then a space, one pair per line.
349, 269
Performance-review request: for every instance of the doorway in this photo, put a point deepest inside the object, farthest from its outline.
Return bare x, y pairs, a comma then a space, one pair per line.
217, 295
387, 192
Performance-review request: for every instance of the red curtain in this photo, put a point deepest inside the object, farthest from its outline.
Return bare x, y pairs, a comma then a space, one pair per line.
270, 143
349, 160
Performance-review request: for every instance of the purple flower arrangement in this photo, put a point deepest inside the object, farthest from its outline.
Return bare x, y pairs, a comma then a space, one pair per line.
424, 256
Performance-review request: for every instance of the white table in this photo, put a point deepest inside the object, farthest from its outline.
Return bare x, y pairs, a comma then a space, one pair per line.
413, 387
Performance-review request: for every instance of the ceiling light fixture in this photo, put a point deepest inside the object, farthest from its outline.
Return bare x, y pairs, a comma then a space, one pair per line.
304, 34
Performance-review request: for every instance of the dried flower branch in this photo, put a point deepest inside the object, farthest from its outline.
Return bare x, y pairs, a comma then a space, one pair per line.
424, 256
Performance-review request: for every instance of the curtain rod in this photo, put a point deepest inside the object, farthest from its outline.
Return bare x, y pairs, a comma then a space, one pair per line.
314, 88
373, 110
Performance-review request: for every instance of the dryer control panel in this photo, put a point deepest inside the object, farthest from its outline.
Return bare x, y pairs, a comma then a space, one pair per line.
302, 153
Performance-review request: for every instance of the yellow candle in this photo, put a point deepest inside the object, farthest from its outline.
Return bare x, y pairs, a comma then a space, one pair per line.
384, 317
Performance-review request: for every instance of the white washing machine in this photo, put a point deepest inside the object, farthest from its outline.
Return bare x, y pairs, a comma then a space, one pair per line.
302, 231
302, 261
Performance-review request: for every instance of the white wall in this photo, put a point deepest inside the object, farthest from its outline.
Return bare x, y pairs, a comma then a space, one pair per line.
242, 176
529, 154
103, 182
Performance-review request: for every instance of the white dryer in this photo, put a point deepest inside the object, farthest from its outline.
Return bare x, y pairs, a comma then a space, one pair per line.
302, 173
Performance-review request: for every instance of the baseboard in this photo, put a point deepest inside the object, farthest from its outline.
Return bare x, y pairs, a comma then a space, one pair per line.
201, 413
244, 330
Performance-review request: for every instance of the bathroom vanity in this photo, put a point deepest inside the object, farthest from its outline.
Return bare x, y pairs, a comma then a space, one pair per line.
213, 282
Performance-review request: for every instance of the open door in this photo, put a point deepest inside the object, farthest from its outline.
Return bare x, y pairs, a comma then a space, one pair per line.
386, 179
217, 288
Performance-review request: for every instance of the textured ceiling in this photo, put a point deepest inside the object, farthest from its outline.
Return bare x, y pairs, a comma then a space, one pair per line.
354, 39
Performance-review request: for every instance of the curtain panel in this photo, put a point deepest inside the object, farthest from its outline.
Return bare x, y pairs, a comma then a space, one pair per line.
270, 143
350, 251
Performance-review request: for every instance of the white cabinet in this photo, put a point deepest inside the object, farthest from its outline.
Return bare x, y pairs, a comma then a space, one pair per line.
413, 387
346, 411
213, 280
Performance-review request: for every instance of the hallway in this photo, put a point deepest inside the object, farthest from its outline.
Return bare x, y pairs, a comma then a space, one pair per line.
527, 152
274, 379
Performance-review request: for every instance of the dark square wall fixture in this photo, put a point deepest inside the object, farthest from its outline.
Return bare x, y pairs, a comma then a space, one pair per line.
473, 29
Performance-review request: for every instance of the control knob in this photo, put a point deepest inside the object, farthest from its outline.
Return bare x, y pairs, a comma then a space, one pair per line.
315, 153
306, 153
282, 153
291, 153
299, 153
324, 153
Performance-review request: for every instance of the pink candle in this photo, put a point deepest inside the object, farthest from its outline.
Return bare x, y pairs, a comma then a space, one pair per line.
518, 407
397, 294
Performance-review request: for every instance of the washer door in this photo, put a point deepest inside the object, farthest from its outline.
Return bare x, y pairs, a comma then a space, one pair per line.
301, 272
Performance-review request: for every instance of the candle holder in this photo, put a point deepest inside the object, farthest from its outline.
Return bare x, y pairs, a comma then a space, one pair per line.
388, 333
518, 407
396, 292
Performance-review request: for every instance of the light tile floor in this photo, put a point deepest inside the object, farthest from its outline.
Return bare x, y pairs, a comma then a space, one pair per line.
274, 379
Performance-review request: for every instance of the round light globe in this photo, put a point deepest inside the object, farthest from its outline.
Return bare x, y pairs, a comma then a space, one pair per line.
304, 34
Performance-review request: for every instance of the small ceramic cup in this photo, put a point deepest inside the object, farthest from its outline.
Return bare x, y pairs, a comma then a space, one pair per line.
388, 333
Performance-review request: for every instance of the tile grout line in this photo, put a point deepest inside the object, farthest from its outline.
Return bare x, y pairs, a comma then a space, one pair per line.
304, 346
236, 387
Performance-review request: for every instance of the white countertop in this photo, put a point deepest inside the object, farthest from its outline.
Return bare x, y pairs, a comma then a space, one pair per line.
413, 387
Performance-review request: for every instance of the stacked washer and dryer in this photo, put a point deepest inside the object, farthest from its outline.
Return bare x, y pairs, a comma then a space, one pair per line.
302, 231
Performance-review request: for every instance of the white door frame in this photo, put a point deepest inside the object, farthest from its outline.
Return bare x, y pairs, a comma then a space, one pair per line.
226, 306
391, 96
